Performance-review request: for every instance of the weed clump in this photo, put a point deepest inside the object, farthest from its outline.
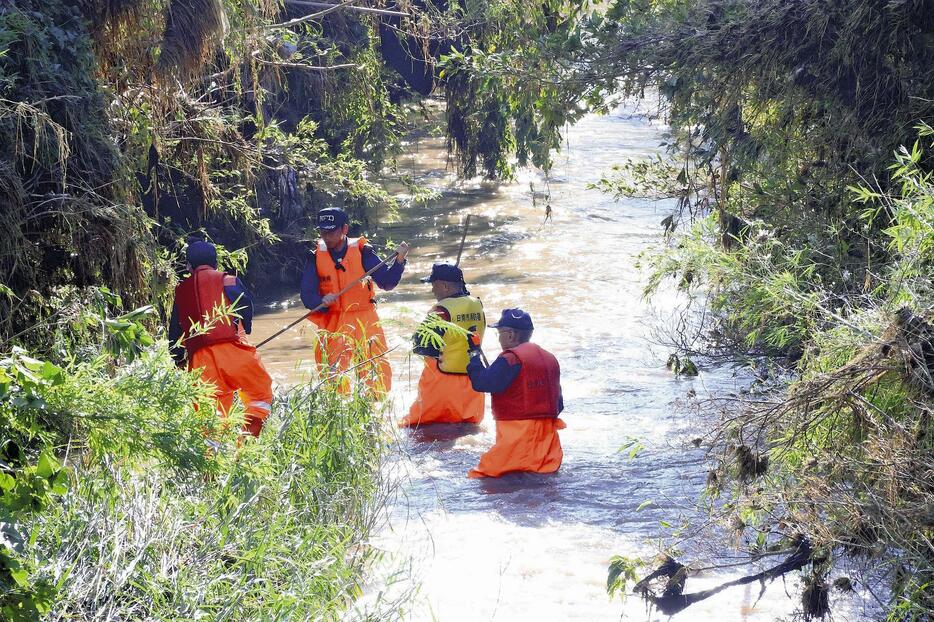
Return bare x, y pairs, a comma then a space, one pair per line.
815, 599
750, 464
105, 463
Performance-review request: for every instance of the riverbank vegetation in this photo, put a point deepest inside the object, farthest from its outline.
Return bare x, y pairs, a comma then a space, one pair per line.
114, 507
128, 127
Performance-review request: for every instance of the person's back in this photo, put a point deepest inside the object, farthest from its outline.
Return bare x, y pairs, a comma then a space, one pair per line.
211, 315
535, 393
525, 383
444, 391
198, 298
465, 312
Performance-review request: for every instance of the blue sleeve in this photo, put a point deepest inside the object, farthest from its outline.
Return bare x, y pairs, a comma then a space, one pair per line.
175, 334
493, 379
311, 294
238, 295
387, 277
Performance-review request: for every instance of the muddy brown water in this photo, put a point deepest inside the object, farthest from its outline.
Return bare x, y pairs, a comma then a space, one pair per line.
533, 547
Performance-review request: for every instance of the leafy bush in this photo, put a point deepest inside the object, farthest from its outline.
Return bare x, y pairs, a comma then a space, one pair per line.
112, 501
841, 453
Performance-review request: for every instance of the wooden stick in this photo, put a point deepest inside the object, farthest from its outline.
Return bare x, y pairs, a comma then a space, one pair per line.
463, 239
322, 305
305, 18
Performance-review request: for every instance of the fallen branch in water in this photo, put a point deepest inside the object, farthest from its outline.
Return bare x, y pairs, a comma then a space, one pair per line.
672, 600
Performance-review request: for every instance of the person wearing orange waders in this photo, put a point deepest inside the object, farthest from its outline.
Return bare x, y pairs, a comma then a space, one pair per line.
348, 328
525, 383
444, 391
216, 344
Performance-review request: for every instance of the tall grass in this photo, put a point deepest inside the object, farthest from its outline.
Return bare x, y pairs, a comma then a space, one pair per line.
155, 525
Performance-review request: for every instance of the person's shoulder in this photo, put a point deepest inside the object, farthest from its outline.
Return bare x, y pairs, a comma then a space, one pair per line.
366, 248
312, 256
441, 311
542, 350
548, 352
510, 357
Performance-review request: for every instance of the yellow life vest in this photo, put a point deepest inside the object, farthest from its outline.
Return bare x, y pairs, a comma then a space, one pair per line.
466, 312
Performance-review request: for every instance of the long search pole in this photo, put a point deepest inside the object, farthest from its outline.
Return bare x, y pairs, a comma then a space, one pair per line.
456, 263
322, 305
463, 239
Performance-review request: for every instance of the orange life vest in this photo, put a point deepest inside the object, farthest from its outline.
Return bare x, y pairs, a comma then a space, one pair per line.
535, 391
196, 299
332, 279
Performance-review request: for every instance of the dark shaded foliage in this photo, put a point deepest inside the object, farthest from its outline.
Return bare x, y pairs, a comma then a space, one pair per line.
64, 220
128, 125
190, 27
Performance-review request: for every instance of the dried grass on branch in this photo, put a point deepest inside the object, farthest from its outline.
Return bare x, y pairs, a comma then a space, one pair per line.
851, 460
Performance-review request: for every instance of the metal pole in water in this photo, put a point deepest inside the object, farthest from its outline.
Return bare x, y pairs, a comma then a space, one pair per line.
463, 239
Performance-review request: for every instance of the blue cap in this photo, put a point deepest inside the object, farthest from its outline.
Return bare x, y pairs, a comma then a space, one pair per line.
201, 253
444, 272
331, 218
514, 318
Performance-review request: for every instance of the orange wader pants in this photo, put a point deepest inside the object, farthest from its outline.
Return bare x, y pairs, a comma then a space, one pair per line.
236, 366
355, 337
523, 445
444, 398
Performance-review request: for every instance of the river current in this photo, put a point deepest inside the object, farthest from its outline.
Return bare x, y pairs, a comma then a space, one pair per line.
533, 547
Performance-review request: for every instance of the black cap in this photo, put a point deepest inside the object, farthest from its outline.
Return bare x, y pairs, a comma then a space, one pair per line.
331, 218
514, 318
201, 253
444, 272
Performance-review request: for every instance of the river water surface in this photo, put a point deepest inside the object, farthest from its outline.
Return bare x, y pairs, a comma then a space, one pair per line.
533, 547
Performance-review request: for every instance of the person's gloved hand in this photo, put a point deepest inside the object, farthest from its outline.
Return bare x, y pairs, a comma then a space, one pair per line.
473, 344
401, 251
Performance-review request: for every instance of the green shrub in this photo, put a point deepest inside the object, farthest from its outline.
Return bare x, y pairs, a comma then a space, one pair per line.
112, 501
839, 450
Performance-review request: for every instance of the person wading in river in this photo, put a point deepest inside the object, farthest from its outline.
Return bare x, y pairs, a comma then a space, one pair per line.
349, 330
525, 382
214, 342
444, 391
